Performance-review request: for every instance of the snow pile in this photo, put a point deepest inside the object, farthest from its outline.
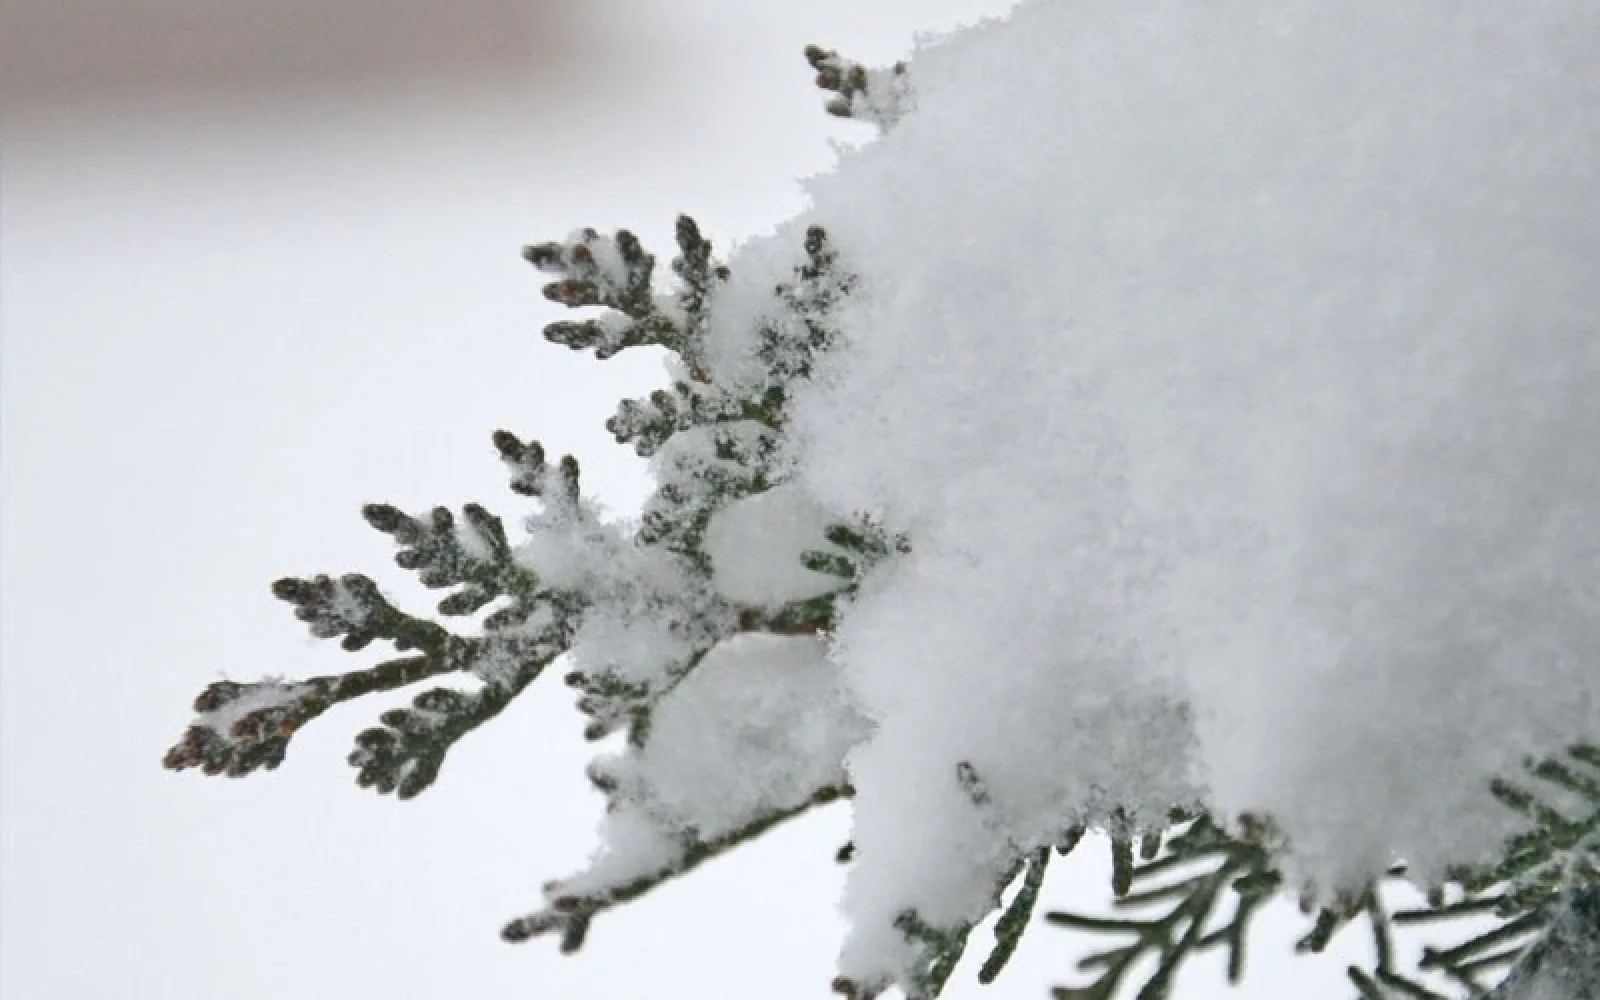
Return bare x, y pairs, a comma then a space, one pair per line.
1233, 369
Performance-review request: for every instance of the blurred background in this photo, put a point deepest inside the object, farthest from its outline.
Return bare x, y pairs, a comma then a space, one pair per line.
259, 266
53, 52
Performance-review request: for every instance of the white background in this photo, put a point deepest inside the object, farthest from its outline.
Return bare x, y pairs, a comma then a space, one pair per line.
228, 324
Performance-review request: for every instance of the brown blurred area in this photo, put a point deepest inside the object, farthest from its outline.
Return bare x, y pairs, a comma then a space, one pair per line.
55, 52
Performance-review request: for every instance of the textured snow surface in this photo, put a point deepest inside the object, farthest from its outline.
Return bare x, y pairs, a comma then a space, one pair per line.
1239, 355
755, 545
759, 726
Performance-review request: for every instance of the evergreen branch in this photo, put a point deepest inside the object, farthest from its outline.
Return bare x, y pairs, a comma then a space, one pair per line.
474, 555
524, 460
1372, 989
609, 701
242, 728
1239, 865
830, 564
405, 754
1463, 908
1398, 984
790, 340
353, 607
1540, 869
1572, 778
571, 915
1331, 919
811, 616
1008, 931
648, 423
246, 727
1433, 958
616, 273
939, 949
942, 949
1121, 864
879, 96
1070, 839
531, 476
594, 270
700, 276
1564, 961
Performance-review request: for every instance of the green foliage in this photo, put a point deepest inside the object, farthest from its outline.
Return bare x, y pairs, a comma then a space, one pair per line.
1206, 884
880, 96
1552, 864
1201, 868
713, 444
1013, 922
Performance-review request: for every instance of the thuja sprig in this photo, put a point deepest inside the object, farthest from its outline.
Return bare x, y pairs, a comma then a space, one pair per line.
1540, 871
722, 440
1541, 876
616, 273
241, 728
939, 948
404, 755
1227, 866
1013, 923
473, 554
879, 96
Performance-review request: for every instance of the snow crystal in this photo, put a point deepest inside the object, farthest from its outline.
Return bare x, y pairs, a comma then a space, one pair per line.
1240, 355
756, 543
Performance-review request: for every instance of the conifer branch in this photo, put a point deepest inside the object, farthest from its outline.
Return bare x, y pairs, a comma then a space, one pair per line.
1540, 873
404, 754
241, 728
1239, 866
473, 554
570, 914
1013, 922
879, 96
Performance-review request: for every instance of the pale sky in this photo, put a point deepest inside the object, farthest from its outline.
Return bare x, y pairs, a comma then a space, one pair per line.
226, 325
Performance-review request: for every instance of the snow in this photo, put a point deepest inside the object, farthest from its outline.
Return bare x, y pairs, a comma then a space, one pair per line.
626, 640
756, 542
1232, 369
758, 727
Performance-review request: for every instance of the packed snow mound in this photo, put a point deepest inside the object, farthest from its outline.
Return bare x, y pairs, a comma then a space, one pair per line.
1243, 356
